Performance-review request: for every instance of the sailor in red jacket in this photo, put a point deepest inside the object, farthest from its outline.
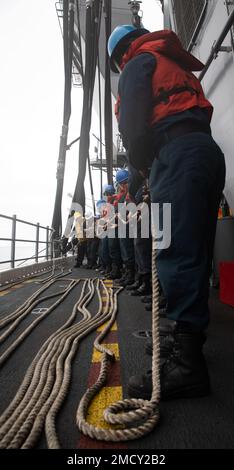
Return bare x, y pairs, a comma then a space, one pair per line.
164, 119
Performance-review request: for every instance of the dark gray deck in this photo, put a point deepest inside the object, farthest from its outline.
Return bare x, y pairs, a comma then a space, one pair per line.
205, 423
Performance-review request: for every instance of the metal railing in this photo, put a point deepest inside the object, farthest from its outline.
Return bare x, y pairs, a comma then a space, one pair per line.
217, 46
13, 240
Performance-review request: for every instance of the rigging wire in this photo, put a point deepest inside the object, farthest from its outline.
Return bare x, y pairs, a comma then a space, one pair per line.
68, 34
97, 22
100, 121
73, 142
79, 36
91, 185
93, 20
108, 99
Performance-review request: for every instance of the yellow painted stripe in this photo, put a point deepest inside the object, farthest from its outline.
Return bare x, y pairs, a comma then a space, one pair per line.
113, 328
114, 347
17, 286
102, 400
4, 293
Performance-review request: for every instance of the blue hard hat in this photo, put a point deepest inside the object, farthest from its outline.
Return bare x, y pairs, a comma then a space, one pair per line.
100, 202
99, 205
121, 176
108, 188
118, 37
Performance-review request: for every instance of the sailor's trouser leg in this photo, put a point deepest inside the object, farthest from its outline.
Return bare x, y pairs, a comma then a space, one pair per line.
104, 252
143, 247
114, 251
189, 173
81, 251
127, 251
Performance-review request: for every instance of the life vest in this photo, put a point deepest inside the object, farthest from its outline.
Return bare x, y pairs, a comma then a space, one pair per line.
121, 197
175, 88
111, 198
117, 108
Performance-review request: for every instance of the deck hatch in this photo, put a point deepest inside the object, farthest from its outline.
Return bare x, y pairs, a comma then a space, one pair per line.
142, 334
39, 311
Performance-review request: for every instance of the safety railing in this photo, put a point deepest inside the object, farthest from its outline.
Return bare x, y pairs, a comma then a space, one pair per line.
217, 46
13, 240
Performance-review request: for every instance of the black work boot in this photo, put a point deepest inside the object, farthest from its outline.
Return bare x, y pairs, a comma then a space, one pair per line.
88, 266
166, 346
122, 278
140, 386
146, 299
166, 332
129, 278
136, 284
77, 264
102, 271
108, 270
145, 288
183, 375
115, 272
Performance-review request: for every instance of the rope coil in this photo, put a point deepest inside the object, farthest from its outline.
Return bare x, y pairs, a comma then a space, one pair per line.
47, 380
129, 411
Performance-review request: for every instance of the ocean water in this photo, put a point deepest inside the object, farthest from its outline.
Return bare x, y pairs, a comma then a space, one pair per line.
21, 252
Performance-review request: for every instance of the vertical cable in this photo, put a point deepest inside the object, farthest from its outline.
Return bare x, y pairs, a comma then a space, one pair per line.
108, 100
68, 35
93, 17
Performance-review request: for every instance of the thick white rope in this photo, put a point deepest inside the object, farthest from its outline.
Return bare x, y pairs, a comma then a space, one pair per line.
126, 412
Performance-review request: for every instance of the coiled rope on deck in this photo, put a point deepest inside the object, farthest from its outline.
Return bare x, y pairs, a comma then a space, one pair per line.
16, 317
128, 411
47, 380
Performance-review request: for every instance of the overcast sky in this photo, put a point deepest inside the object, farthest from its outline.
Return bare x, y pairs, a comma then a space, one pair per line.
31, 107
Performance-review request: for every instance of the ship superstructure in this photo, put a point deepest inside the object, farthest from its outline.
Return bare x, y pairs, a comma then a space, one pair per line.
53, 317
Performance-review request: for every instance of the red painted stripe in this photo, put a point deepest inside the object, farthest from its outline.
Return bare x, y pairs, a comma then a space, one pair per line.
113, 380
111, 337
87, 443
113, 376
